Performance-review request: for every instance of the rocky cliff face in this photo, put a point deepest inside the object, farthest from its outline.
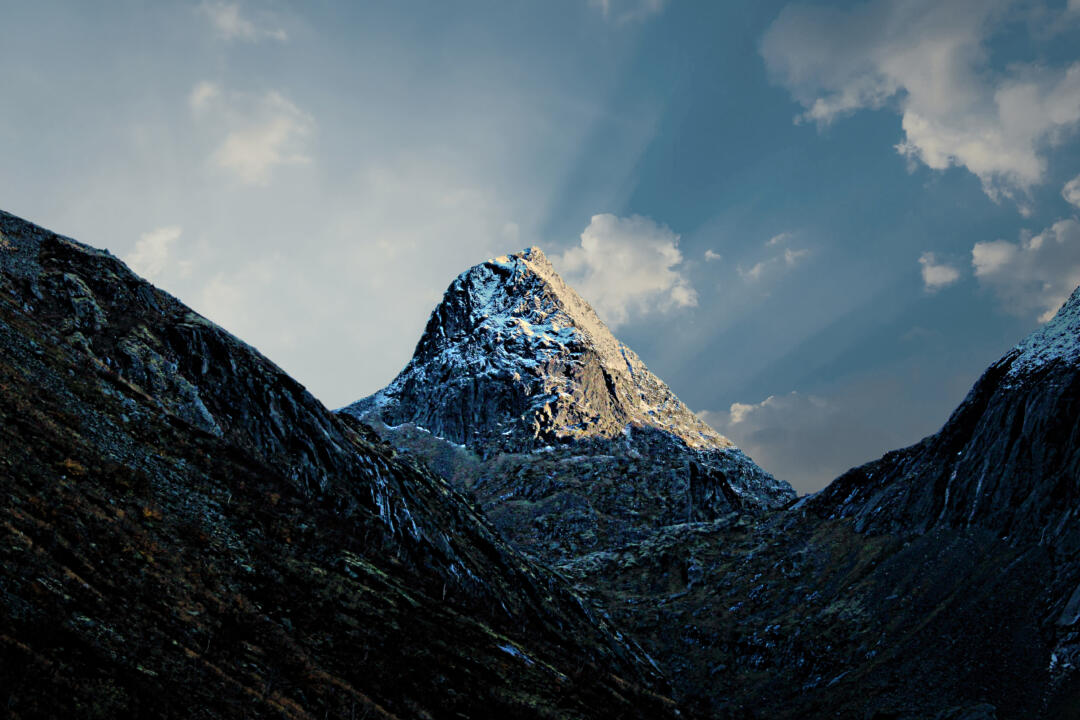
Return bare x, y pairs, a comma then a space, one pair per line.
1008, 460
186, 530
513, 358
519, 393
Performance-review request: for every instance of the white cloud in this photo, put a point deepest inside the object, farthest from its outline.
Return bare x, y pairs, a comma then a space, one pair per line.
990, 258
936, 275
626, 266
623, 11
150, 256
778, 239
711, 256
231, 24
929, 60
1071, 191
261, 132
1036, 274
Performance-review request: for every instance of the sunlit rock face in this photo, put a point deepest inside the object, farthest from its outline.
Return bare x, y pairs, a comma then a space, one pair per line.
514, 358
567, 440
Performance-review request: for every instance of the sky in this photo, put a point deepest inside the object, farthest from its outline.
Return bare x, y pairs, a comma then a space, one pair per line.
818, 222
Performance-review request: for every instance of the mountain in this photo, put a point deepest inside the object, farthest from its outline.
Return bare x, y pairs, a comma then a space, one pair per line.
513, 358
521, 394
186, 531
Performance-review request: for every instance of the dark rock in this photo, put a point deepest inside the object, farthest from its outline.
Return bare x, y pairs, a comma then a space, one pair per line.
187, 532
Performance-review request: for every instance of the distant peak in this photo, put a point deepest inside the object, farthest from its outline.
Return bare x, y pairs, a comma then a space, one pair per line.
514, 355
529, 254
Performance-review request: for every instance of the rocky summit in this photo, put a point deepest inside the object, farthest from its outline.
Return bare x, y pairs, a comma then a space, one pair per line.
513, 358
521, 395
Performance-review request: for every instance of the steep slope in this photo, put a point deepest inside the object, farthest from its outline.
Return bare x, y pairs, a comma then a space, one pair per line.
187, 532
520, 394
941, 581
515, 358
1008, 459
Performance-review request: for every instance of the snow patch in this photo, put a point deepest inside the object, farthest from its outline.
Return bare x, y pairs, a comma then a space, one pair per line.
1056, 341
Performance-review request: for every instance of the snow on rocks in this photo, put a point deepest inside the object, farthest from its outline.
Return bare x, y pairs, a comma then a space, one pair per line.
511, 341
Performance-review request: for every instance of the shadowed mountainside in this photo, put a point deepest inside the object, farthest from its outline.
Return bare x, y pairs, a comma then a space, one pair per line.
187, 532
942, 580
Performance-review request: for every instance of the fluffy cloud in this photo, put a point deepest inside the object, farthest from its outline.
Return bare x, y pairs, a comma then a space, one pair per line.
231, 24
627, 266
1036, 274
261, 132
711, 256
936, 275
929, 60
150, 256
1071, 191
622, 11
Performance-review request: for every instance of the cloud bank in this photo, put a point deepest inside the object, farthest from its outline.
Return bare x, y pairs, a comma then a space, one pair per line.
930, 61
805, 439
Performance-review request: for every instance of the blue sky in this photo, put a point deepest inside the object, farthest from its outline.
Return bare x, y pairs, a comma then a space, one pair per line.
818, 222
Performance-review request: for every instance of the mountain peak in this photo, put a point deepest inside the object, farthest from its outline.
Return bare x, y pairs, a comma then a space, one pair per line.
514, 357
